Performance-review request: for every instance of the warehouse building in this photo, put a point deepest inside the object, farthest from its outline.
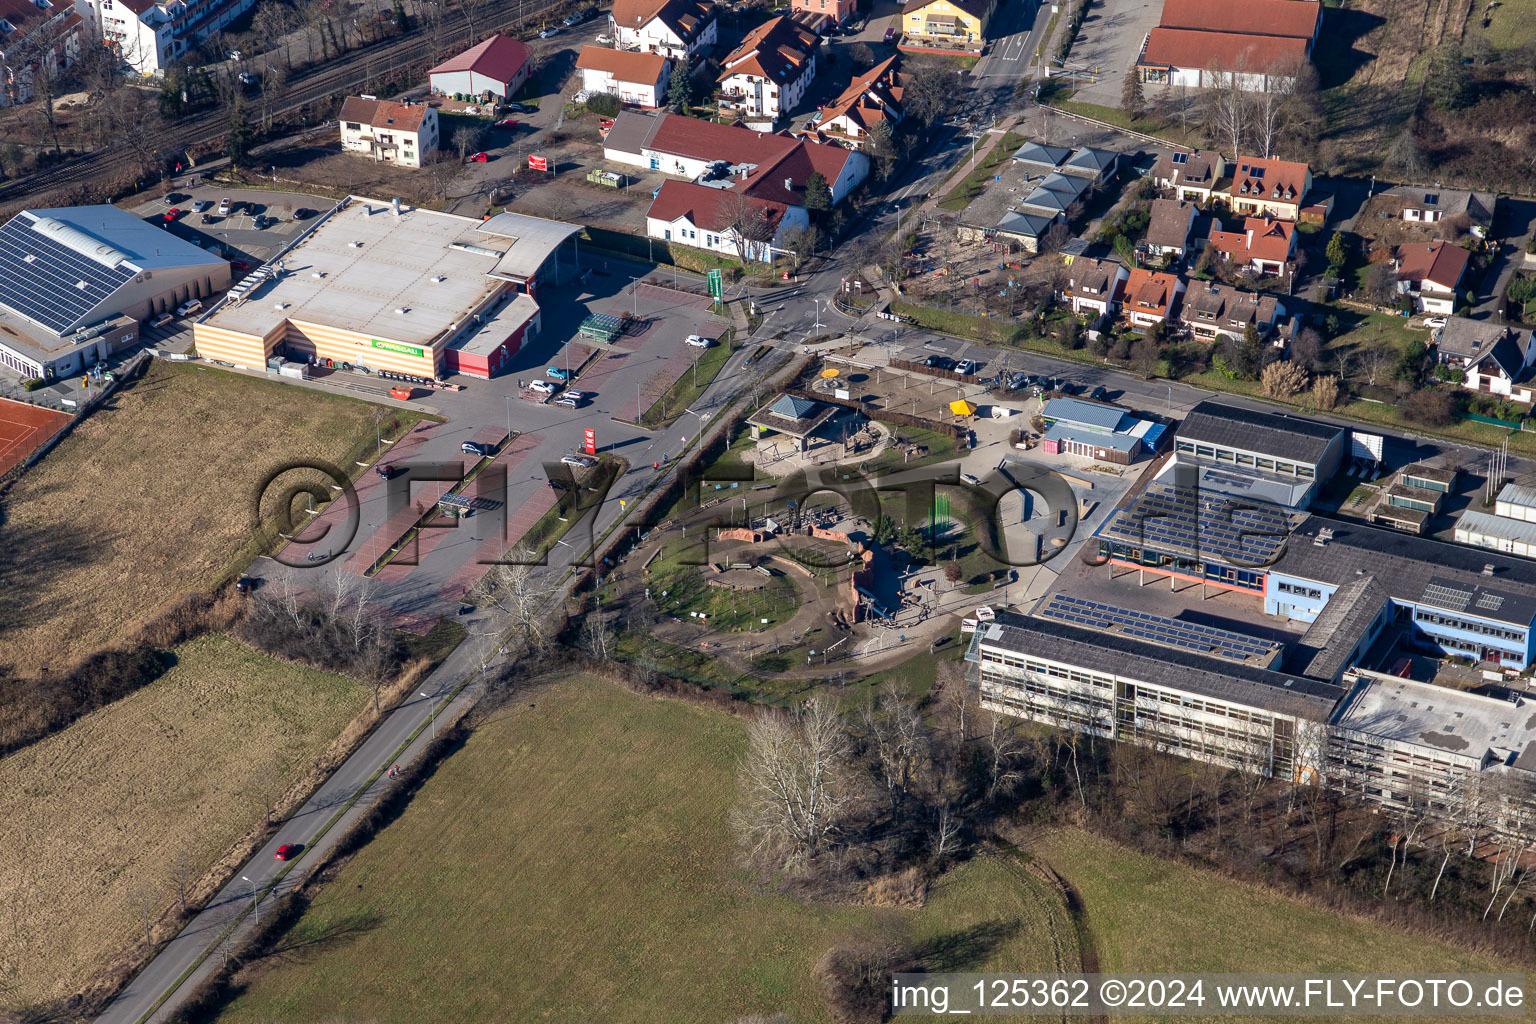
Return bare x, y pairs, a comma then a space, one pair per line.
75, 281
410, 291
1290, 449
1093, 430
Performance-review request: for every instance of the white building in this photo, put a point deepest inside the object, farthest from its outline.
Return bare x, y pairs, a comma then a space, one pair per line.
496, 67
40, 35
638, 79
404, 134
74, 281
709, 218
769, 73
674, 28
151, 36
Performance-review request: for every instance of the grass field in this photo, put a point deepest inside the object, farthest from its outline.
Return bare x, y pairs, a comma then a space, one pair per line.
571, 863
150, 497
103, 815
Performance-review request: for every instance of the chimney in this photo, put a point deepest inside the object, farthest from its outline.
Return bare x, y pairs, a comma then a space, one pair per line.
789, 184
394, 205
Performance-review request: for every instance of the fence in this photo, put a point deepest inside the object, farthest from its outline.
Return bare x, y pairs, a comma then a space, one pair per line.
119, 375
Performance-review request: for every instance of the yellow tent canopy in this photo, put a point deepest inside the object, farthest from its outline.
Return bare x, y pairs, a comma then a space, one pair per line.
961, 407
830, 372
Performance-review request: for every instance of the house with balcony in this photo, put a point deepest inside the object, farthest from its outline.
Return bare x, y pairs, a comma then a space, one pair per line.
150, 36
767, 76
1149, 297
36, 37
946, 24
1265, 247
1093, 287
673, 28
1215, 311
838, 11
1493, 358
1191, 177
1420, 205
1431, 273
403, 134
871, 98
1274, 188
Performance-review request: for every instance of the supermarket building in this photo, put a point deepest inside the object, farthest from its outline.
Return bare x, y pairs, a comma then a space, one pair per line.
395, 288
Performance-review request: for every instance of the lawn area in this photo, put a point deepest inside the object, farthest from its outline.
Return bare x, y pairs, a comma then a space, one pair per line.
975, 182
1148, 123
691, 384
104, 813
581, 832
1151, 915
152, 496
1511, 26
687, 591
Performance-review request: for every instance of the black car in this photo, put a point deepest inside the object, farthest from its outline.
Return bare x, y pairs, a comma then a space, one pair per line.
1098, 394
208, 218
476, 448
303, 214
939, 362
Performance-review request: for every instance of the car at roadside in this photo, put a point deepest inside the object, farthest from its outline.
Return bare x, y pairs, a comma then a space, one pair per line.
550, 32
579, 461
477, 448
567, 402
189, 307
522, 108
303, 213
479, 158
555, 373
162, 320
697, 341
967, 366
543, 387
507, 122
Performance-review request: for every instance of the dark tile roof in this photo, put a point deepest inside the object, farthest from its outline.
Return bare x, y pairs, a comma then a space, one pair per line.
1407, 566
1159, 666
1170, 223
1280, 435
1470, 339
1339, 628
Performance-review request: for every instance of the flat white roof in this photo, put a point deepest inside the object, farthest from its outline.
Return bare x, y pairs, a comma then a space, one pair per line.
531, 241
498, 328
1452, 721
361, 263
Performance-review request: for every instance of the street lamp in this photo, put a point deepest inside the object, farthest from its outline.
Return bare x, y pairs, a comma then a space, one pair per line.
433, 715
818, 318
255, 898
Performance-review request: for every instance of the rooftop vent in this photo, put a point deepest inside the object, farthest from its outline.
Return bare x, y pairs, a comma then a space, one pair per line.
355, 245
400, 311
1323, 537
1488, 569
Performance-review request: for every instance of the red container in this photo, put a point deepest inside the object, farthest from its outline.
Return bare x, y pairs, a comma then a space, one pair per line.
401, 392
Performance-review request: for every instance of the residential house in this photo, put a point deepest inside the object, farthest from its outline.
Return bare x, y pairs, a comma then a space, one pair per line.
1214, 311
1504, 369
1262, 45
1169, 227
1432, 272
1421, 205
1276, 188
674, 28
946, 24
1093, 287
763, 164
768, 74
1190, 176
870, 99
399, 133
1462, 342
1265, 247
36, 36
150, 36
497, 66
722, 220
838, 10
638, 79
1150, 297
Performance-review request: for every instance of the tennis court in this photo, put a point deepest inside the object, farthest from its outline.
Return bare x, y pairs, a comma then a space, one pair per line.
24, 429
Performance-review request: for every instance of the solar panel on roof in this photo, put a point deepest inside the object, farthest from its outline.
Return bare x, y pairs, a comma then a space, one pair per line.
1157, 629
48, 282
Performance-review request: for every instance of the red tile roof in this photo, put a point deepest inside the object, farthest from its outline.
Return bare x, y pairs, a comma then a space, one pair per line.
405, 117
683, 17
883, 81
499, 57
1262, 238
776, 157
1298, 18
1187, 48
1148, 291
778, 50
1439, 263
1278, 181
624, 65
710, 208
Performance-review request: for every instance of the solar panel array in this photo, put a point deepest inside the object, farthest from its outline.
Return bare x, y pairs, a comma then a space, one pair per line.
1201, 525
1442, 596
41, 278
1157, 629
464, 501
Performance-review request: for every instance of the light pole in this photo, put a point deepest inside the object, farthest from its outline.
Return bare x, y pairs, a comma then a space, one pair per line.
509, 414
255, 898
818, 318
433, 715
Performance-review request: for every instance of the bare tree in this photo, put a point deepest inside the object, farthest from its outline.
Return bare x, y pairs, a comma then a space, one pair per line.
747, 222
1376, 360
597, 636
792, 800
465, 138
1228, 110
519, 592
1005, 748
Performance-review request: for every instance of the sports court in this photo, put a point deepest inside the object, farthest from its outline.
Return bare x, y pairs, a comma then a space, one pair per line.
24, 429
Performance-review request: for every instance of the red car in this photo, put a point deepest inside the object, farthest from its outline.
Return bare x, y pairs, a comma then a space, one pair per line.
285, 852
173, 213
478, 158
510, 122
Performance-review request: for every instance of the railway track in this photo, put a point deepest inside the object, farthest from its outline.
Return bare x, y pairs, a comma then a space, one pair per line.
318, 83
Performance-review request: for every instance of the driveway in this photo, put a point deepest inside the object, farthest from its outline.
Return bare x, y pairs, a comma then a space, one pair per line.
1109, 43
1512, 225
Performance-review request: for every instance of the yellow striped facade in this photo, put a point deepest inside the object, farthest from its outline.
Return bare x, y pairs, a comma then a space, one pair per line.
301, 340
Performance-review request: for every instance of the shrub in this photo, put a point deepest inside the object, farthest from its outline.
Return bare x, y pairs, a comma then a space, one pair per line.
604, 104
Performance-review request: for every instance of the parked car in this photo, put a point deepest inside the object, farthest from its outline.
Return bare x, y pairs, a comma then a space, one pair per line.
580, 396
202, 206
970, 479
385, 470
507, 122
245, 584
698, 342
890, 34
476, 448
938, 362
478, 158
162, 320
189, 307
1434, 321
247, 80
234, 55
1098, 394
555, 373
173, 198
261, 222
553, 30
303, 213
567, 402
225, 207
967, 366
527, 108
286, 851
579, 461
543, 387
604, 39
173, 213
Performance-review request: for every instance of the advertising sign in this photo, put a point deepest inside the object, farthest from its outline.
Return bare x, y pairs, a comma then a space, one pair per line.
537, 163
589, 443
394, 346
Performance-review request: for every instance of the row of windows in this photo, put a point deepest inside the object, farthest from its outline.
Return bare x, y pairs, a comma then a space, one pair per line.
1298, 590
1440, 619
15, 363
1244, 459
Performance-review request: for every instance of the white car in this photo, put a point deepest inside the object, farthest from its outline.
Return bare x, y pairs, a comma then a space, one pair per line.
970, 479
603, 38
543, 387
580, 396
1434, 321
698, 342
579, 461
190, 306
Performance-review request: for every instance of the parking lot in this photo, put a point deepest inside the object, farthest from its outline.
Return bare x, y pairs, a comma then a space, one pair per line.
1109, 44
